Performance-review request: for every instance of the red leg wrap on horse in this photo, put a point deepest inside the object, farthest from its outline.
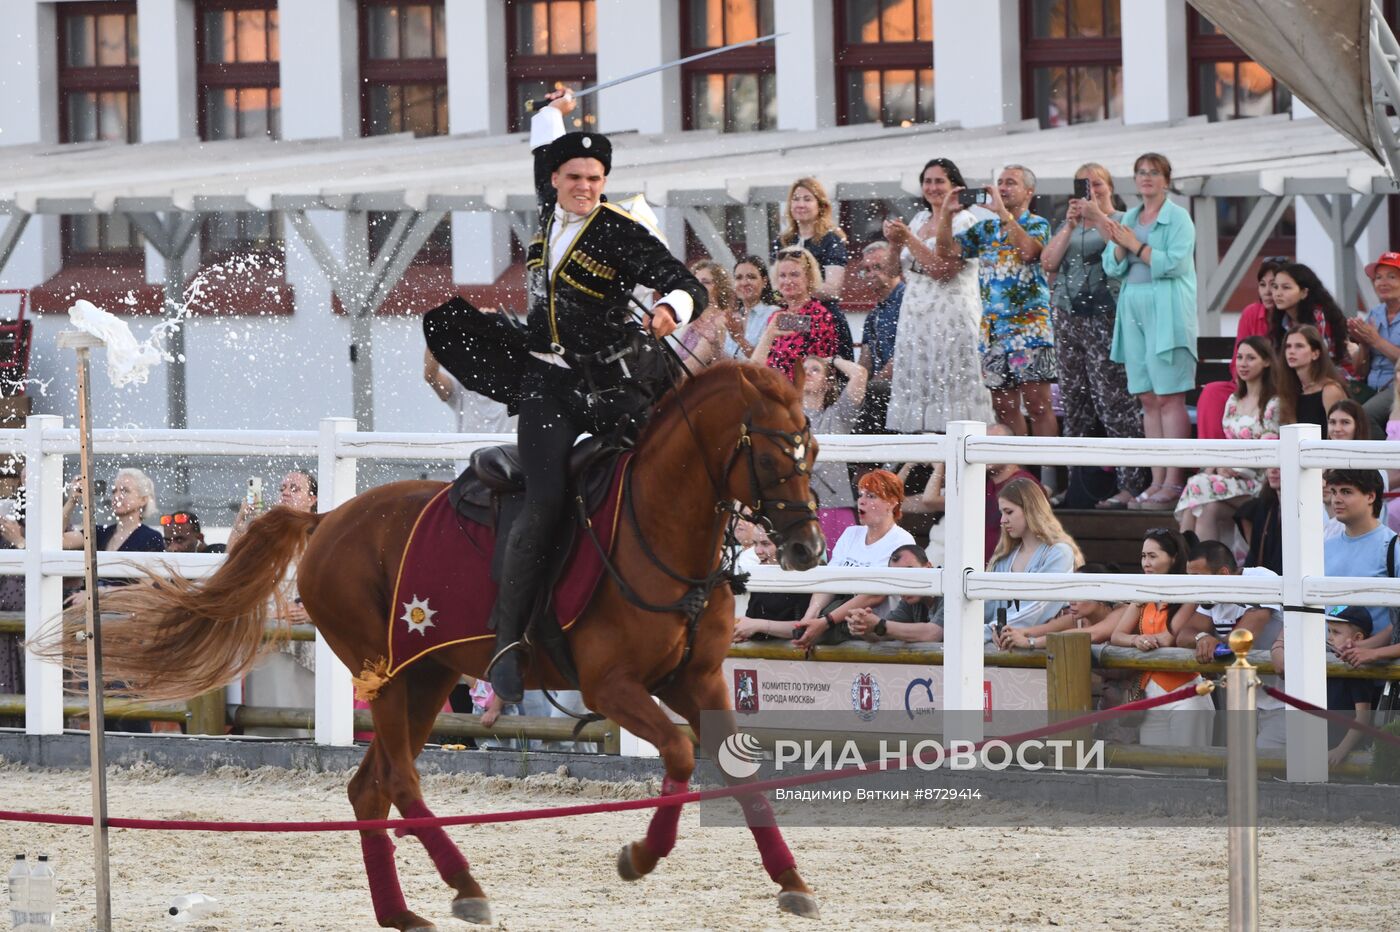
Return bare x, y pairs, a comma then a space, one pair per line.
661, 833
384, 889
446, 858
771, 847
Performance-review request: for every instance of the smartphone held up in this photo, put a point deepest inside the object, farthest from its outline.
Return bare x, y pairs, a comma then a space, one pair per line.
254, 497
973, 197
1081, 189
794, 323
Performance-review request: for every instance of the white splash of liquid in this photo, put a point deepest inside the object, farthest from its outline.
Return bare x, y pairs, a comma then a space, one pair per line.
129, 361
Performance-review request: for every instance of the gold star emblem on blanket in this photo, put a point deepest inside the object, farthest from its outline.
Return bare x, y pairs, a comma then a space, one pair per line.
418, 616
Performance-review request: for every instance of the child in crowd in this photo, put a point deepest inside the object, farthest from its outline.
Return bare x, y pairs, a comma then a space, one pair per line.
1347, 627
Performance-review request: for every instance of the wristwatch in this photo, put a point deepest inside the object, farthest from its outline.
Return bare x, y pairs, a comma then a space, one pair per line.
879, 628
1202, 634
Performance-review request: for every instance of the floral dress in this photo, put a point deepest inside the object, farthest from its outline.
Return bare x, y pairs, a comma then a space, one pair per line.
1204, 488
821, 339
937, 364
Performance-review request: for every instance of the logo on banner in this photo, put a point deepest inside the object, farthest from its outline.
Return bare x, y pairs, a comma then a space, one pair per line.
746, 690
909, 694
986, 701
739, 755
865, 696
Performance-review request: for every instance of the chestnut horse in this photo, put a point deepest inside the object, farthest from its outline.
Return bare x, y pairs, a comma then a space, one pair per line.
732, 433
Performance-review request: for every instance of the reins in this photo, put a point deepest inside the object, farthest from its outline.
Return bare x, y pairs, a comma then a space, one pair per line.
696, 599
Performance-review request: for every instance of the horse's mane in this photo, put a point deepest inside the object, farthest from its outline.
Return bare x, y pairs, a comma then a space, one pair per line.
720, 376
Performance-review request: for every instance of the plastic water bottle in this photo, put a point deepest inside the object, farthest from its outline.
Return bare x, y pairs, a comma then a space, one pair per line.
192, 906
41, 895
19, 893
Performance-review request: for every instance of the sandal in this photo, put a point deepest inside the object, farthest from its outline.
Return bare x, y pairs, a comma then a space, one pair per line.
1165, 500
1115, 502
1137, 500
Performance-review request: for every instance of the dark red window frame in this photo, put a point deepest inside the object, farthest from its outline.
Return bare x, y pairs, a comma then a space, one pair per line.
754, 59
581, 68
396, 71
265, 75
96, 79
851, 56
1218, 48
1070, 52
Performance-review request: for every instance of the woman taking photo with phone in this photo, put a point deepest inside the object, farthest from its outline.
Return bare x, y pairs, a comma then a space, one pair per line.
133, 503
1153, 253
803, 327
1084, 301
937, 369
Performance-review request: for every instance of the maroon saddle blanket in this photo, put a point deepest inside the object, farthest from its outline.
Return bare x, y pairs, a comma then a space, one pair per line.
443, 591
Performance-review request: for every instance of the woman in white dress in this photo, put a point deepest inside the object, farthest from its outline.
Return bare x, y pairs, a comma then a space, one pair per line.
937, 368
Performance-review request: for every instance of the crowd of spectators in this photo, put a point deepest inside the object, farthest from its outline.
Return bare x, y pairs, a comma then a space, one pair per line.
980, 309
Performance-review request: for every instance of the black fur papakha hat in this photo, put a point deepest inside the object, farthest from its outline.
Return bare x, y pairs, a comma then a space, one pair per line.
581, 146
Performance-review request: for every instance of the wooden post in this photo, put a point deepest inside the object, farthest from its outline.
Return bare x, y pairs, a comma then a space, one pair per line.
612, 738
207, 713
1068, 679
1068, 687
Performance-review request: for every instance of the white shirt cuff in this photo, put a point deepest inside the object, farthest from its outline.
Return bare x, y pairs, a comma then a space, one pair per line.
682, 304
546, 126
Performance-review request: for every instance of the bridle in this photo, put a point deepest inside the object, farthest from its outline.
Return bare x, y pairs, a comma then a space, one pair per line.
792, 445
697, 595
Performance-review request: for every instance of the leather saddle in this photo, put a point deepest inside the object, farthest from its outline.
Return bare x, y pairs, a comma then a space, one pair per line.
491, 488
491, 492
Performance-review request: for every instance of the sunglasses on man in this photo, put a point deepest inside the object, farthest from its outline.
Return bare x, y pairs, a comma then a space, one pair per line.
178, 518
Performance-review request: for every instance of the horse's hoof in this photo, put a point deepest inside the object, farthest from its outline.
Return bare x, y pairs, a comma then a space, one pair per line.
625, 870
473, 909
799, 904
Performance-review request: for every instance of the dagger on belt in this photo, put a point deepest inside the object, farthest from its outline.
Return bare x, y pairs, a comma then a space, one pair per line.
531, 106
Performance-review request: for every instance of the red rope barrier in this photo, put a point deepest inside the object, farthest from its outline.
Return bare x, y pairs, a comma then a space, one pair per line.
557, 812
1341, 718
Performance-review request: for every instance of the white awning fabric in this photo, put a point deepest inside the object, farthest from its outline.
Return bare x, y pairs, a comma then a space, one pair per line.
1319, 49
1260, 156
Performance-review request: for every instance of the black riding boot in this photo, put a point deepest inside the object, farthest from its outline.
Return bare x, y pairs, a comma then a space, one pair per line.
522, 575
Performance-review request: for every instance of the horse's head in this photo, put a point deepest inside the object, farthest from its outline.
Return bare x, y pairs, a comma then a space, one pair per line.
770, 467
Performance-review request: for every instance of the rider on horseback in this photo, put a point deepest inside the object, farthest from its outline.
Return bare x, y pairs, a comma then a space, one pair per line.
581, 364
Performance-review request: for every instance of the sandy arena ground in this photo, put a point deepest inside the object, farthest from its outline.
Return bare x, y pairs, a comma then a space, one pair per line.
560, 874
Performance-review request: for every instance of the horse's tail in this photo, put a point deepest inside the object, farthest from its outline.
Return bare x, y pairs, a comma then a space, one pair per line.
177, 638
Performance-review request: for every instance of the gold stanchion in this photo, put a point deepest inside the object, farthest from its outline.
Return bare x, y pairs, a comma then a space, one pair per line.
83, 343
1242, 784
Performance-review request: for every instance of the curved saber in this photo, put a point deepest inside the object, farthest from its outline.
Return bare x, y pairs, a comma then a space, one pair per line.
532, 105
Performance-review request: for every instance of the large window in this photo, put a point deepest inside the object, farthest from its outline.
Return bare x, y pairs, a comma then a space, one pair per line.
1227, 84
884, 61
239, 98
99, 101
736, 91
552, 44
403, 67
1072, 52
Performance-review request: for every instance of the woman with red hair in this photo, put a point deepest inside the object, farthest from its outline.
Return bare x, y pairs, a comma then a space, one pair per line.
869, 543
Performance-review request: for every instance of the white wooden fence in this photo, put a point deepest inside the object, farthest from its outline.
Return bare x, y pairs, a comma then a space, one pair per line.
962, 581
